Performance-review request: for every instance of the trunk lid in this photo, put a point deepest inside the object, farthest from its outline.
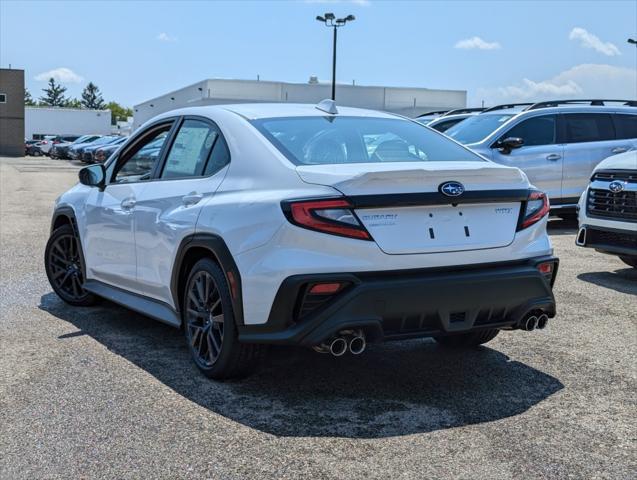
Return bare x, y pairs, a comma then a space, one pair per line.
402, 208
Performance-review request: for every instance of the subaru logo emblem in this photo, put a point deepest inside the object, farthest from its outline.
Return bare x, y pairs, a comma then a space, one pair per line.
451, 189
616, 186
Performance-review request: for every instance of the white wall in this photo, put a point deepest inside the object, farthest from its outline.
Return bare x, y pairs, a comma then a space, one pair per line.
405, 101
65, 121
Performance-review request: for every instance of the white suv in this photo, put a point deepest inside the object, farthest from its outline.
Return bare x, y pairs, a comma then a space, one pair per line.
608, 209
556, 143
306, 225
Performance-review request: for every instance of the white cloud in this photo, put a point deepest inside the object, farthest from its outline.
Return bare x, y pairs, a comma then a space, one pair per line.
584, 81
588, 40
61, 74
164, 37
533, 90
477, 43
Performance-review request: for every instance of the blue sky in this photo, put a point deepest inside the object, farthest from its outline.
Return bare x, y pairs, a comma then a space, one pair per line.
497, 51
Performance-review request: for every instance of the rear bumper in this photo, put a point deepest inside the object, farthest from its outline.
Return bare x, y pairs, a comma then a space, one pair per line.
405, 304
609, 240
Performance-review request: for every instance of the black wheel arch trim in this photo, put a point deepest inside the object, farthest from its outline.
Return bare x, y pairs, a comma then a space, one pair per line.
219, 250
64, 211
69, 213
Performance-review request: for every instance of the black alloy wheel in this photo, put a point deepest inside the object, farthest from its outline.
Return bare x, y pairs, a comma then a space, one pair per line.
63, 263
209, 325
205, 319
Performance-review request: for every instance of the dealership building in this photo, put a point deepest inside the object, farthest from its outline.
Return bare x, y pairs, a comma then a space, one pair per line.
405, 101
41, 121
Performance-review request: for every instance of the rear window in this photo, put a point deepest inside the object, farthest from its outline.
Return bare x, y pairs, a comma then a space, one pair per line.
626, 126
340, 140
478, 127
588, 127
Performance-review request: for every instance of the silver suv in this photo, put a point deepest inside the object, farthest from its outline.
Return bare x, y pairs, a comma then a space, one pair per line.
556, 143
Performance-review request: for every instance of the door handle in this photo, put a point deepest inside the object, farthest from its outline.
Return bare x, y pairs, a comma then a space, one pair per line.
192, 198
128, 204
553, 157
619, 150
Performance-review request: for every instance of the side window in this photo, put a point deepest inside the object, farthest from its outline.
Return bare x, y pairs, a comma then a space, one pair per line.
534, 131
138, 164
626, 126
190, 150
219, 158
588, 127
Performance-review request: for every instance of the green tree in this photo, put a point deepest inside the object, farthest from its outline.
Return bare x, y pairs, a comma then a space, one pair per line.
53, 95
28, 99
118, 112
73, 103
92, 97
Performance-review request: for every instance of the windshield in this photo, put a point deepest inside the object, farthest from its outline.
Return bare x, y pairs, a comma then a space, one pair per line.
340, 140
478, 127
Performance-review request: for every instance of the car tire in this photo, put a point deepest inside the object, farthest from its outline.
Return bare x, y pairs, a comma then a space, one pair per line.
632, 261
210, 328
64, 267
37, 153
472, 339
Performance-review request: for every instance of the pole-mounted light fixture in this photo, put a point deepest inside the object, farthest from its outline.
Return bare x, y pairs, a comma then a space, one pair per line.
330, 20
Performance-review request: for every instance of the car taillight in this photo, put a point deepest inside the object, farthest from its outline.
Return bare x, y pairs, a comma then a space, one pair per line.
537, 206
333, 216
44, 142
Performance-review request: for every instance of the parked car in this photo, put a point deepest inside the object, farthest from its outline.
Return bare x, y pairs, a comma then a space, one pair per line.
556, 143
76, 152
608, 209
88, 155
447, 120
60, 150
429, 116
103, 153
50, 141
45, 143
280, 226
31, 148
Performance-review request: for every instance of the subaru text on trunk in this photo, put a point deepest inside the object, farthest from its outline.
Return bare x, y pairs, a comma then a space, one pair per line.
248, 225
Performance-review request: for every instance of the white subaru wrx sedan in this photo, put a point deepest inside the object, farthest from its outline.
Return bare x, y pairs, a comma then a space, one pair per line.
326, 227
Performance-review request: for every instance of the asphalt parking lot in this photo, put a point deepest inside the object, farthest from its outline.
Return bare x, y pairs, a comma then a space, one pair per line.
102, 392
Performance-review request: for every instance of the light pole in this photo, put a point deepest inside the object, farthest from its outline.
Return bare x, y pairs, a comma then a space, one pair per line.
330, 20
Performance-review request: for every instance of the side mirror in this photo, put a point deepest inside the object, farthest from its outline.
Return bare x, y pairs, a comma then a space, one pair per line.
509, 144
93, 176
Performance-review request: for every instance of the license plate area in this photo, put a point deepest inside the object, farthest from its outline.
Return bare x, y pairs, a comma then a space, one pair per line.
441, 228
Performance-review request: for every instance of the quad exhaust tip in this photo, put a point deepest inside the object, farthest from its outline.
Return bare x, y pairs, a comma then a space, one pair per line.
357, 345
338, 346
530, 323
352, 341
542, 321
539, 321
